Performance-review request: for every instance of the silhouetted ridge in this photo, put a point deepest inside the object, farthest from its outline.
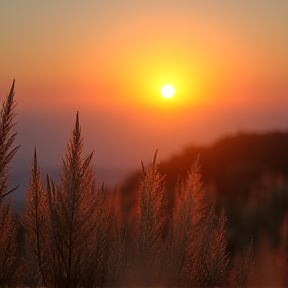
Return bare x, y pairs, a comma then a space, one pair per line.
247, 173
232, 163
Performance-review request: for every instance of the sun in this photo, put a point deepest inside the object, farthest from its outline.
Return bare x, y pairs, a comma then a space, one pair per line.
167, 91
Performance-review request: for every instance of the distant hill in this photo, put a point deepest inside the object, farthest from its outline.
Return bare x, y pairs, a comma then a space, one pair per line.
247, 173
231, 164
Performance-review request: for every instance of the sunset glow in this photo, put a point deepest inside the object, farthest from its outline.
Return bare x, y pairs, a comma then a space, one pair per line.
109, 62
99, 87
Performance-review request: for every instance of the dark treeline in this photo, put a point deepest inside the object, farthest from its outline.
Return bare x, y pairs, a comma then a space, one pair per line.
73, 234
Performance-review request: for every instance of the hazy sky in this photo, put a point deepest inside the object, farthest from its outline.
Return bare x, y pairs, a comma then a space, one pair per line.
227, 60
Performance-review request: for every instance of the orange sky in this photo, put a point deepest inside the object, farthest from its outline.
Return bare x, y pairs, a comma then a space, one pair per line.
228, 61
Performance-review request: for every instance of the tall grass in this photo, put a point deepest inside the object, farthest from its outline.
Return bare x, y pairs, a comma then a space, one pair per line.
73, 234
34, 220
8, 226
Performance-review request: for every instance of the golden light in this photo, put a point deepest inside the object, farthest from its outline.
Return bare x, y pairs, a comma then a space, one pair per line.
195, 72
167, 91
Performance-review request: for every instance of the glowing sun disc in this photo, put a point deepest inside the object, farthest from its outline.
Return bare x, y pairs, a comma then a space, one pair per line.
167, 91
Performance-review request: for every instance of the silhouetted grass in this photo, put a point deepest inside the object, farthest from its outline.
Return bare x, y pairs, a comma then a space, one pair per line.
73, 234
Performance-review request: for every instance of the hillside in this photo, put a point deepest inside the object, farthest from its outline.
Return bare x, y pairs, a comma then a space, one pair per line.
247, 173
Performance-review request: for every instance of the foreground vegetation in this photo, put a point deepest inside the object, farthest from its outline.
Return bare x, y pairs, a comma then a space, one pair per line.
72, 234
